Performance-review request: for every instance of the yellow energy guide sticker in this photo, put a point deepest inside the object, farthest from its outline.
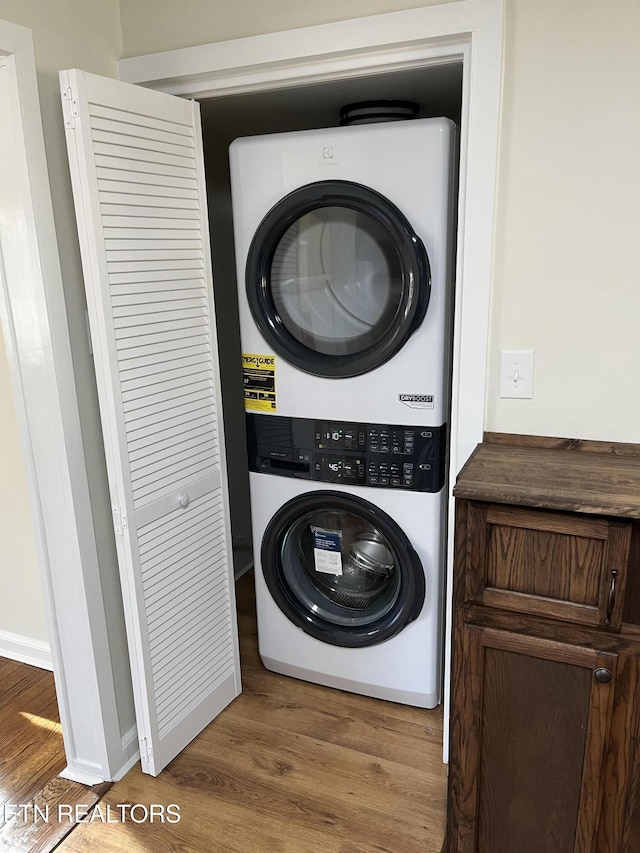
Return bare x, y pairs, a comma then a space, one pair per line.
259, 374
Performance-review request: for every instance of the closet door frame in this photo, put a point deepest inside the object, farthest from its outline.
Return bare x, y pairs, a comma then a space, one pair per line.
34, 324
468, 31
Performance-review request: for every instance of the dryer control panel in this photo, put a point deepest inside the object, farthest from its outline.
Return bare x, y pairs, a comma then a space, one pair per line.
379, 455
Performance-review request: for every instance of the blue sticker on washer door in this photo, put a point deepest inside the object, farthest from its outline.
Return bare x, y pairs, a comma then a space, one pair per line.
327, 550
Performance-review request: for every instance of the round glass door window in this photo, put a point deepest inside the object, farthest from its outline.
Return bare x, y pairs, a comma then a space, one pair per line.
337, 280
342, 569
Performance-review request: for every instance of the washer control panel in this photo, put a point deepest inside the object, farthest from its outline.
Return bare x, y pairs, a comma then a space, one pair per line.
378, 455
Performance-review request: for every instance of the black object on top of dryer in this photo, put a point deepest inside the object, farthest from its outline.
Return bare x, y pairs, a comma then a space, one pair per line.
410, 458
368, 112
337, 280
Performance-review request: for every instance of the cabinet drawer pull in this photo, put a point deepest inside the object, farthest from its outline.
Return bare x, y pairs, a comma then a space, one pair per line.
612, 596
602, 675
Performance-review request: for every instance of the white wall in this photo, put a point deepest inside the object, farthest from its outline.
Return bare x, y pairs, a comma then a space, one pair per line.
566, 254
21, 604
84, 34
191, 22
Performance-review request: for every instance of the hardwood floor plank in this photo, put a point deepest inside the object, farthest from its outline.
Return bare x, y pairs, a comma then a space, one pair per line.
286, 756
17, 677
343, 720
41, 835
31, 757
33, 697
207, 825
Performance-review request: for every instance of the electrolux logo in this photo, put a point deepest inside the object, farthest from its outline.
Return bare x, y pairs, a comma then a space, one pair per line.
328, 156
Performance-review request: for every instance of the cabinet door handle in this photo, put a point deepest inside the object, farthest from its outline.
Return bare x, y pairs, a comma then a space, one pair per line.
612, 596
602, 675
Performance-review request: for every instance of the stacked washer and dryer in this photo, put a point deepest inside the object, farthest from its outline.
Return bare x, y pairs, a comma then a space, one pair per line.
344, 260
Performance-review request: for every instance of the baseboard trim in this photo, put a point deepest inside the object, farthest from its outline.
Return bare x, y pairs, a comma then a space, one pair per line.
85, 776
25, 650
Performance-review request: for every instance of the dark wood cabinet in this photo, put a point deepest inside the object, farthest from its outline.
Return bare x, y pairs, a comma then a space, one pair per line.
545, 710
554, 564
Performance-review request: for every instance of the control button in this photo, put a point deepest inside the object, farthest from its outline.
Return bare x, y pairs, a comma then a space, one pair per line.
373, 479
408, 481
384, 481
361, 438
424, 466
384, 448
408, 466
395, 481
373, 448
426, 434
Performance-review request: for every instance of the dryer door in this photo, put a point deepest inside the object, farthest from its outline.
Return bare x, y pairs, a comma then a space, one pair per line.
341, 569
336, 279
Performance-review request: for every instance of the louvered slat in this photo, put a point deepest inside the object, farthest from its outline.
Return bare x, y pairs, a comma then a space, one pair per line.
166, 345
100, 110
141, 190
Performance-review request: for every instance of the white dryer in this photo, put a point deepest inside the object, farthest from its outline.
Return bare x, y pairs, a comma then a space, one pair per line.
348, 586
343, 251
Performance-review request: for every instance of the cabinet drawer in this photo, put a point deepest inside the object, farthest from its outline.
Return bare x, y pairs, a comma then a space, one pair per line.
562, 565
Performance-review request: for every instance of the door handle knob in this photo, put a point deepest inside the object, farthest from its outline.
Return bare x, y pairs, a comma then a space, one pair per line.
184, 500
602, 675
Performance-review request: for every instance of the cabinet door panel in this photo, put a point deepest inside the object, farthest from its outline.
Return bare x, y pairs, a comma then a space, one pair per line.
548, 563
540, 722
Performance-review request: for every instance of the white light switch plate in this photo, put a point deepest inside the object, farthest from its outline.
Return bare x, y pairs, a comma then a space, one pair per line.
516, 374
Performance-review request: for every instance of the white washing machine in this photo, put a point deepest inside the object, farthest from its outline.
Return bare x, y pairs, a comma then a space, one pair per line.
348, 586
343, 251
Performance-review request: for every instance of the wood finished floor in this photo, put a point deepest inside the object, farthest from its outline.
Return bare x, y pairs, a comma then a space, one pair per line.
289, 767
31, 757
31, 749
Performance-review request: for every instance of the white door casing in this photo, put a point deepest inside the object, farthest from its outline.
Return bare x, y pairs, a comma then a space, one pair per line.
138, 181
34, 321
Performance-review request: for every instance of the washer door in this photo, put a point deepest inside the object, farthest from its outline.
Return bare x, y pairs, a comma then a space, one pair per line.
341, 569
336, 278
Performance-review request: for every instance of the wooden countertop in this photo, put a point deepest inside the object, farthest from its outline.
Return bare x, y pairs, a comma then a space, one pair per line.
564, 474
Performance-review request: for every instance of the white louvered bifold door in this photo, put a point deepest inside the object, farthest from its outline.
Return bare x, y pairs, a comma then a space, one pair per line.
138, 184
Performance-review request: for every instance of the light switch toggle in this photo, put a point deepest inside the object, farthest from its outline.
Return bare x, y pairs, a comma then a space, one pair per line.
516, 374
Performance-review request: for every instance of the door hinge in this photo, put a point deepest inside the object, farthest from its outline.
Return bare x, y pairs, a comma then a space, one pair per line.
69, 108
145, 749
119, 521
